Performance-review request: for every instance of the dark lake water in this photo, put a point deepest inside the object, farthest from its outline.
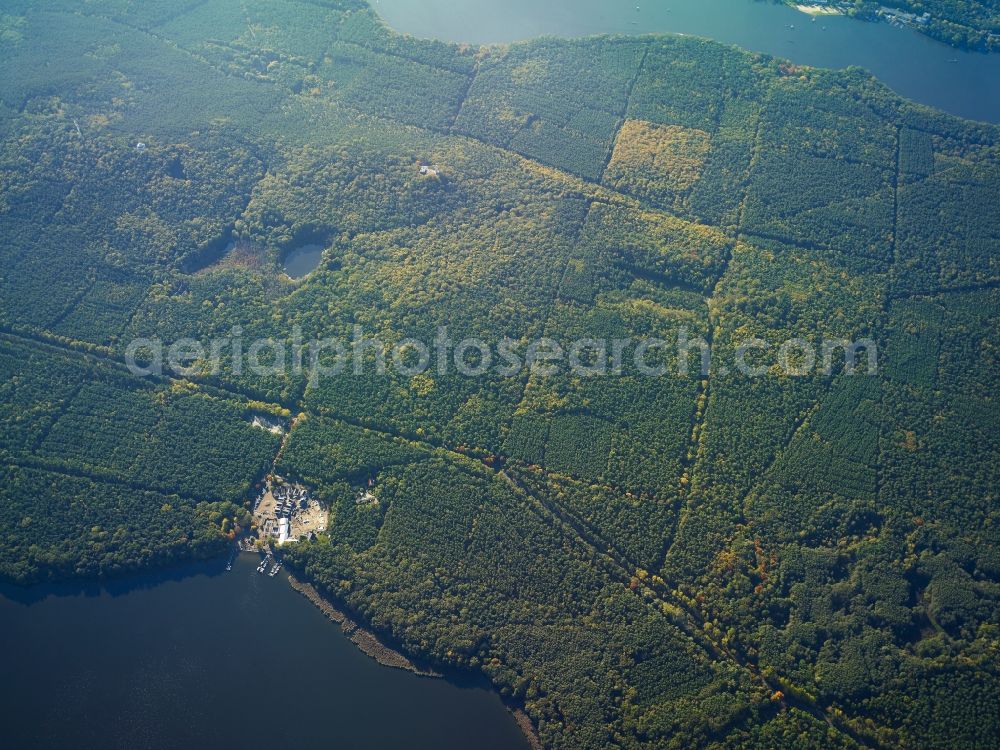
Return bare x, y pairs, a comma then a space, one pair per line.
205, 658
302, 261
919, 68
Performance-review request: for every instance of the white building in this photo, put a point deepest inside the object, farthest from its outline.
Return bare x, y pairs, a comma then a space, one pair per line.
282, 530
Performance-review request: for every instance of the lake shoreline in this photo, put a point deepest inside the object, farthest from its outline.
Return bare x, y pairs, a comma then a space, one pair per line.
366, 641
118, 582
369, 644
362, 638
960, 81
164, 654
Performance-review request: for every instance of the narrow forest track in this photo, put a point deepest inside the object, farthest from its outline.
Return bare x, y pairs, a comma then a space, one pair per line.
690, 622
624, 116
614, 564
703, 399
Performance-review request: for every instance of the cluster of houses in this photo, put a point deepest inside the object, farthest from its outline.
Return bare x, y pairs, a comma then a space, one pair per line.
288, 501
901, 18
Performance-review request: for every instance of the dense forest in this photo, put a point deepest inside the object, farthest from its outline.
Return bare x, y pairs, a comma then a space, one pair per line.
804, 559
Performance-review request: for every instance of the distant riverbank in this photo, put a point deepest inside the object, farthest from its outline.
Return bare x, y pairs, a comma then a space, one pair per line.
817, 10
945, 28
960, 82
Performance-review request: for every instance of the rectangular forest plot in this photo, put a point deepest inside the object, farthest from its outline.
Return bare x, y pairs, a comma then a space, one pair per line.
104, 310
626, 431
715, 198
783, 291
167, 85
914, 341
685, 82
658, 163
172, 441
833, 126
527, 437
322, 451
822, 202
531, 98
34, 56
431, 508
579, 445
948, 230
145, 15
843, 440
393, 87
636, 526
620, 413
584, 275
34, 388
969, 342
298, 31
45, 272
123, 417
82, 415
655, 246
646, 456
561, 147
916, 155
941, 430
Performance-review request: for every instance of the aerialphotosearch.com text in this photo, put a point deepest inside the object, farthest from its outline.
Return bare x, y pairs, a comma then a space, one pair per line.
680, 355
